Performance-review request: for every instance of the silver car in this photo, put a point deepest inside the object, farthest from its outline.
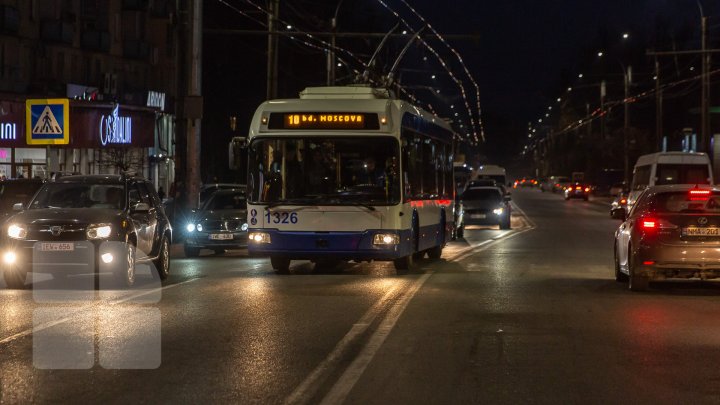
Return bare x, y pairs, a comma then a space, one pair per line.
672, 231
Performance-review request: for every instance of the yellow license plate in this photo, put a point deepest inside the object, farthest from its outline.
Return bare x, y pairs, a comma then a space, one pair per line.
696, 231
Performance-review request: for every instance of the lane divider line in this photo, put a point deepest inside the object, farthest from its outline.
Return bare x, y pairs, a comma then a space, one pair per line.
352, 374
308, 388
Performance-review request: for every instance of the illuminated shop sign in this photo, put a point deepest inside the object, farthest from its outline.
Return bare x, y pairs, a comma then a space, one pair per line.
156, 99
310, 120
115, 129
8, 131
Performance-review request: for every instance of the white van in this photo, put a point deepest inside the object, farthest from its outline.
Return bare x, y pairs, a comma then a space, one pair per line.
669, 168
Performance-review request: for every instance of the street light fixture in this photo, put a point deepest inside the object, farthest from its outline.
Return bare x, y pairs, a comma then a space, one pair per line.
625, 35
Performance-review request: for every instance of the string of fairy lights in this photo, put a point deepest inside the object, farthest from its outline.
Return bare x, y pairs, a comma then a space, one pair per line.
343, 55
609, 106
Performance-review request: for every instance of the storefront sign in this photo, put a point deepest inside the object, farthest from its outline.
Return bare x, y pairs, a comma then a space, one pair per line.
156, 99
8, 131
115, 129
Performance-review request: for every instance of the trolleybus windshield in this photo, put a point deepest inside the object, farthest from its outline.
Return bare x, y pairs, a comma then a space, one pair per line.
324, 170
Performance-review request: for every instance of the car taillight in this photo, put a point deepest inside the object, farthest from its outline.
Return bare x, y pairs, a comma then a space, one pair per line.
648, 224
587, 189
578, 188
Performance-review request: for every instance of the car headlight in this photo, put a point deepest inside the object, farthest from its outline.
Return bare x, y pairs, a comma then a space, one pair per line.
99, 231
198, 227
16, 231
498, 211
244, 227
190, 227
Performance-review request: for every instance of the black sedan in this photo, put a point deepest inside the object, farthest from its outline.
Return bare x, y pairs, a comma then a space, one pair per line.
220, 224
486, 206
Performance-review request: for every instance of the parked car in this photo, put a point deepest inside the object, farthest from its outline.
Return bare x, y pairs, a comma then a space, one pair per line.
221, 223
486, 206
578, 190
88, 224
672, 231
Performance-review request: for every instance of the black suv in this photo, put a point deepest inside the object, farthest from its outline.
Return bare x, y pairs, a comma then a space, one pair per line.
88, 224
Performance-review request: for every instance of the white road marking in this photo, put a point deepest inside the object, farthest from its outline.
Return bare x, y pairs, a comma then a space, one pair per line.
352, 374
305, 391
73, 314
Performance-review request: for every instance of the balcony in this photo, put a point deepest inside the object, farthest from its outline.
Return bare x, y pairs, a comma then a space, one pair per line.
98, 41
9, 19
57, 31
136, 49
135, 5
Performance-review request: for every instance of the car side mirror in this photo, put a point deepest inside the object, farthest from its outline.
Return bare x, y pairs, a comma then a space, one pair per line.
141, 207
18, 207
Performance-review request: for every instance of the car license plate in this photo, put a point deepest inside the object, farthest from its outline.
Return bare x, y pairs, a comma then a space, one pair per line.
221, 236
696, 231
57, 247
477, 216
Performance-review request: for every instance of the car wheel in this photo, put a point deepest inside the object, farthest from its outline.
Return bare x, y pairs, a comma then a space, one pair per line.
636, 281
191, 251
125, 274
620, 277
15, 278
281, 265
162, 263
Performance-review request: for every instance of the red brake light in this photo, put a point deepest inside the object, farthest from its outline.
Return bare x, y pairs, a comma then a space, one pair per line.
648, 223
699, 195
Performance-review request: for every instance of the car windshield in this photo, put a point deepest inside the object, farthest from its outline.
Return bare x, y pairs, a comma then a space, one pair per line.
226, 201
678, 202
486, 194
16, 192
315, 170
80, 195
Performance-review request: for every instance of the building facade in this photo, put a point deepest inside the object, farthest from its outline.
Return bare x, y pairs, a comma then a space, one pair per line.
116, 62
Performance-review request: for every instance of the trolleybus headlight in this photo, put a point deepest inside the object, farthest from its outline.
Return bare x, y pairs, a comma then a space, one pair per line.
190, 227
259, 237
386, 239
498, 211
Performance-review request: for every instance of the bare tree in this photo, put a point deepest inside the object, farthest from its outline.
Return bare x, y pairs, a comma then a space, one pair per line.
122, 159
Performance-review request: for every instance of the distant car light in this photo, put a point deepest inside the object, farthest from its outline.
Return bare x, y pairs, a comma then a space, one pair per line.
16, 231
386, 239
259, 237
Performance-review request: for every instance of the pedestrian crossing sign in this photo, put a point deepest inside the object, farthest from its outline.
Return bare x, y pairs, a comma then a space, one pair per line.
47, 121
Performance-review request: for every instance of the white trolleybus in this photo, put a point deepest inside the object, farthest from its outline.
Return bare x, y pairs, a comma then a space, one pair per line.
348, 173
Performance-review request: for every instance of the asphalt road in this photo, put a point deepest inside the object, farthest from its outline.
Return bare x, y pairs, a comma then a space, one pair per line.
530, 315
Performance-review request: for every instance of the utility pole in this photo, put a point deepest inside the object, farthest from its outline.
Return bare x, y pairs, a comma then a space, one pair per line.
272, 56
627, 75
658, 107
602, 110
193, 107
705, 97
331, 52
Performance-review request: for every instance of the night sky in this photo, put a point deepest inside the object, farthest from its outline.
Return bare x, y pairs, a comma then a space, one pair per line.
525, 53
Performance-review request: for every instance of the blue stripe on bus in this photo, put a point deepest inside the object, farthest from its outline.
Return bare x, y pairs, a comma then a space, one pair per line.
347, 245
